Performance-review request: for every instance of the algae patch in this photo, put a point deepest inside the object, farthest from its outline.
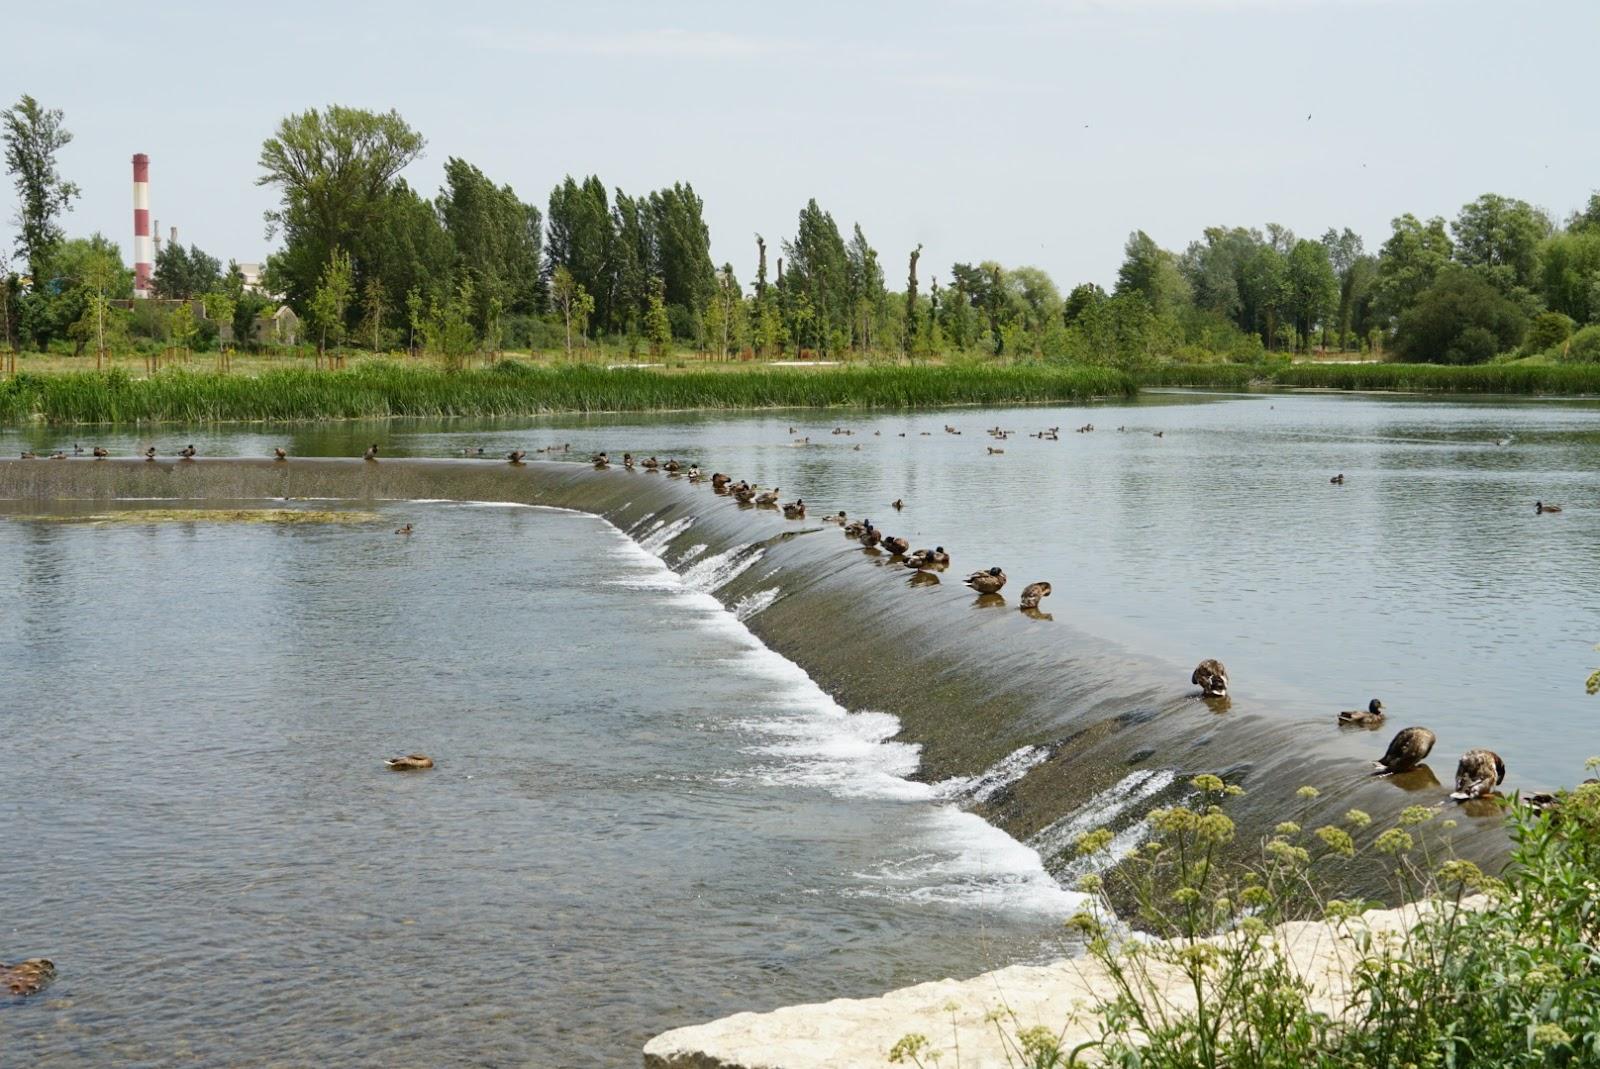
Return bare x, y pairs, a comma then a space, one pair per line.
275, 516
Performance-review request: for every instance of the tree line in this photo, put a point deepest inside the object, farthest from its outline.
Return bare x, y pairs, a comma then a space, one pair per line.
367, 260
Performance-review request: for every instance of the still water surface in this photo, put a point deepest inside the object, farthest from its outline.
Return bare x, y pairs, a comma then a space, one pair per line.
640, 818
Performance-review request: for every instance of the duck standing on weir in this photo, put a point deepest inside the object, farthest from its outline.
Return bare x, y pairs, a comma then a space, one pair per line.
1211, 677
1406, 751
989, 582
371, 453
1034, 593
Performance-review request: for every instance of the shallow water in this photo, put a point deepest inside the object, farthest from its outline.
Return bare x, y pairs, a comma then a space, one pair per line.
640, 817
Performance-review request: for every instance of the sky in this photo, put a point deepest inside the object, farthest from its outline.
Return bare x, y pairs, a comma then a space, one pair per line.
1038, 132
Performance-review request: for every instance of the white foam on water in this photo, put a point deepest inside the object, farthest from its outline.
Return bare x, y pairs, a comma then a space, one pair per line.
691, 553
1006, 771
661, 534
751, 604
1102, 809
717, 571
812, 742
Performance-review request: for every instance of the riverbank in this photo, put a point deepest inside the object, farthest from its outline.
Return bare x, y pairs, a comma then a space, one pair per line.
511, 388
1557, 379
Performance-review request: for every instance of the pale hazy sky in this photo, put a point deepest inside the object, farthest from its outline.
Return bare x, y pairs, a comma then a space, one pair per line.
1028, 131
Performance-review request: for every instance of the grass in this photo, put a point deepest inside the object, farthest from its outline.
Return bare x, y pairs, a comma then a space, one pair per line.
382, 389
1523, 378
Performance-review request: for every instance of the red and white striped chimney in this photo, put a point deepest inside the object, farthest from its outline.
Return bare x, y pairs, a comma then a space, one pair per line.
143, 257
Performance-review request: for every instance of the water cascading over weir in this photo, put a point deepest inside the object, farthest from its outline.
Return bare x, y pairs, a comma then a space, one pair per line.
1043, 729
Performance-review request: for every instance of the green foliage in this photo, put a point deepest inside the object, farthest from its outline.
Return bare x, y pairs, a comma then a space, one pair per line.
185, 274
1526, 378
497, 240
1459, 319
1409, 262
33, 135
816, 291
1569, 273
1499, 237
1585, 346
379, 389
1549, 330
335, 288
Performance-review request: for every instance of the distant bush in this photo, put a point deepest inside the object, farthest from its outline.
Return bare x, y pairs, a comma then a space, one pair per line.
1584, 346
1460, 319
1549, 330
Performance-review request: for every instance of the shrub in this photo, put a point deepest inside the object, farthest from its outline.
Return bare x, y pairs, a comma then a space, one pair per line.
1585, 346
1460, 319
1549, 330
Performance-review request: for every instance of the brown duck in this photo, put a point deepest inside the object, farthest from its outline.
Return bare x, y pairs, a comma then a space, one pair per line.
989, 582
897, 545
795, 510
601, 460
516, 455
1371, 716
1211, 676
415, 762
1478, 773
27, 977
279, 454
371, 453
1406, 750
928, 558
1034, 593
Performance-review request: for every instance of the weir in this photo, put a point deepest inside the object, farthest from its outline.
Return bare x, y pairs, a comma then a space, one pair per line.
1044, 730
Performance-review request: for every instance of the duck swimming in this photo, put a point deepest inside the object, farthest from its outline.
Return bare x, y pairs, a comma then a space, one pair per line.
1540, 508
1211, 676
672, 467
371, 453
896, 545
1406, 750
719, 481
1478, 773
1337, 480
989, 582
837, 518
854, 528
694, 473
415, 762
601, 460
1371, 716
27, 977
898, 504
795, 510
1034, 593
745, 494
768, 498
403, 530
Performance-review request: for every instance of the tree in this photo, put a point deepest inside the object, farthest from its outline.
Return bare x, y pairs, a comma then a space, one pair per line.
33, 135
181, 327
1151, 271
658, 325
1499, 237
448, 326
1084, 296
572, 301
1409, 262
725, 318
183, 275
911, 299
1345, 253
1313, 288
335, 171
864, 289
818, 270
580, 239
332, 297
1460, 319
496, 238
373, 304
1569, 273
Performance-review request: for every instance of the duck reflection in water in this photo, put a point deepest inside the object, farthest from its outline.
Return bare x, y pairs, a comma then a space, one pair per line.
1418, 778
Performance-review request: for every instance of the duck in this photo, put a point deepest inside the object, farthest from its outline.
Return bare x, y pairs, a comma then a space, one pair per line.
1550, 801
516, 455
993, 451
694, 473
745, 494
600, 461
1211, 676
1034, 593
1406, 751
795, 510
871, 536
27, 977
768, 498
627, 461
896, 545
1540, 508
989, 582
854, 528
650, 463
150, 454
898, 504
187, 452
77, 450
403, 530
1337, 480
58, 455
371, 453
1160, 434
1478, 773
1371, 716
719, 481
672, 467
101, 452
279, 454
838, 518
414, 762
28, 454
928, 558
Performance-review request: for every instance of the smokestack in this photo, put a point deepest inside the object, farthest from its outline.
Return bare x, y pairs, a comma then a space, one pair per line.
155, 236
174, 235
143, 250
